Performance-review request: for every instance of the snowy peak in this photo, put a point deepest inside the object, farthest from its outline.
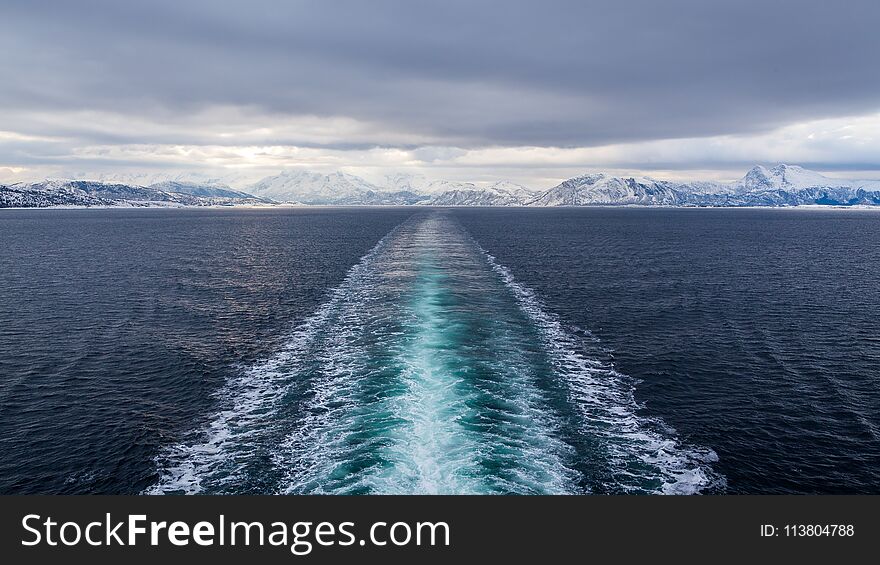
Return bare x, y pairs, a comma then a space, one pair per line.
598, 189
522, 193
474, 197
201, 189
396, 182
63, 192
588, 179
423, 185
786, 177
441, 186
310, 187
501, 193
779, 185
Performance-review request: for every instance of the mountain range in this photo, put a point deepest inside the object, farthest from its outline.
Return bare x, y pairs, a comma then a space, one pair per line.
61, 192
781, 185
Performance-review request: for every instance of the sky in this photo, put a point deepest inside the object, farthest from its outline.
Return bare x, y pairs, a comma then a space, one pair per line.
533, 92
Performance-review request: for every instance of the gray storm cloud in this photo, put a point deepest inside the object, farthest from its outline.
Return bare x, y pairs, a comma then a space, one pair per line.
451, 73
486, 72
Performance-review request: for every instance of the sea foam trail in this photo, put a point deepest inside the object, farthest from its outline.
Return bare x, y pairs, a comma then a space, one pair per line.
639, 457
216, 458
430, 370
427, 415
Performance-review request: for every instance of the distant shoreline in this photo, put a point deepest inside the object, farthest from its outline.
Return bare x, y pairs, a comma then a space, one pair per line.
810, 207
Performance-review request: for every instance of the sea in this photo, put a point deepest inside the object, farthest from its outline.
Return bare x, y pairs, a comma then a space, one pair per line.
440, 351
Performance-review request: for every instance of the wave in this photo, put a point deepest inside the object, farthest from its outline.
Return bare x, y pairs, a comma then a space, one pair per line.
214, 457
640, 458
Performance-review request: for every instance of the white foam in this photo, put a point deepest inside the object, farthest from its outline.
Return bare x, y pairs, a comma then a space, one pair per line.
607, 406
251, 398
423, 447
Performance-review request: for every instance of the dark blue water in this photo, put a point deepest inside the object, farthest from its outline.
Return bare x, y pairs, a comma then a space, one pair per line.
411, 350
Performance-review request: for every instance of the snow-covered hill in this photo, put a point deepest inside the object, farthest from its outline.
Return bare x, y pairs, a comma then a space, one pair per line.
502, 193
522, 193
61, 192
310, 187
227, 179
396, 182
203, 189
600, 189
781, 185
340, 188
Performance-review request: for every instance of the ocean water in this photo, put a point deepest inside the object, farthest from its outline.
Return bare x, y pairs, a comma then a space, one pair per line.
474, 351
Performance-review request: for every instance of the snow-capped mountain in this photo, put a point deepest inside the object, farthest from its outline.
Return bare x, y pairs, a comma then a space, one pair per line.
785, 177
346, 189
62, 192
421, 184
781, 177
311, 187
151, 178
380, 198
397, 182
442, 186
790, 185
522, 193
599, 189
502, 193
203, 189
782, 185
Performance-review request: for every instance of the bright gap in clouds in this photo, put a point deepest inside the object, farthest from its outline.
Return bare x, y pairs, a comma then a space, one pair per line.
241, 146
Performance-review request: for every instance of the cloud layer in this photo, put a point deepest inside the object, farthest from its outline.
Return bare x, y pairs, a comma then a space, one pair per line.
460, 86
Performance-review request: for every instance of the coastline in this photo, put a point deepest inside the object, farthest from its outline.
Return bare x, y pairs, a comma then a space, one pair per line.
812, 207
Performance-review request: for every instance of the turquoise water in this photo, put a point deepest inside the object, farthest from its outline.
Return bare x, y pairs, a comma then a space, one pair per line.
430, 370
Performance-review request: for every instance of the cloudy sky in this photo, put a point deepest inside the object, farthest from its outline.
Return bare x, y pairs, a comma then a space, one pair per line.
465, 90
